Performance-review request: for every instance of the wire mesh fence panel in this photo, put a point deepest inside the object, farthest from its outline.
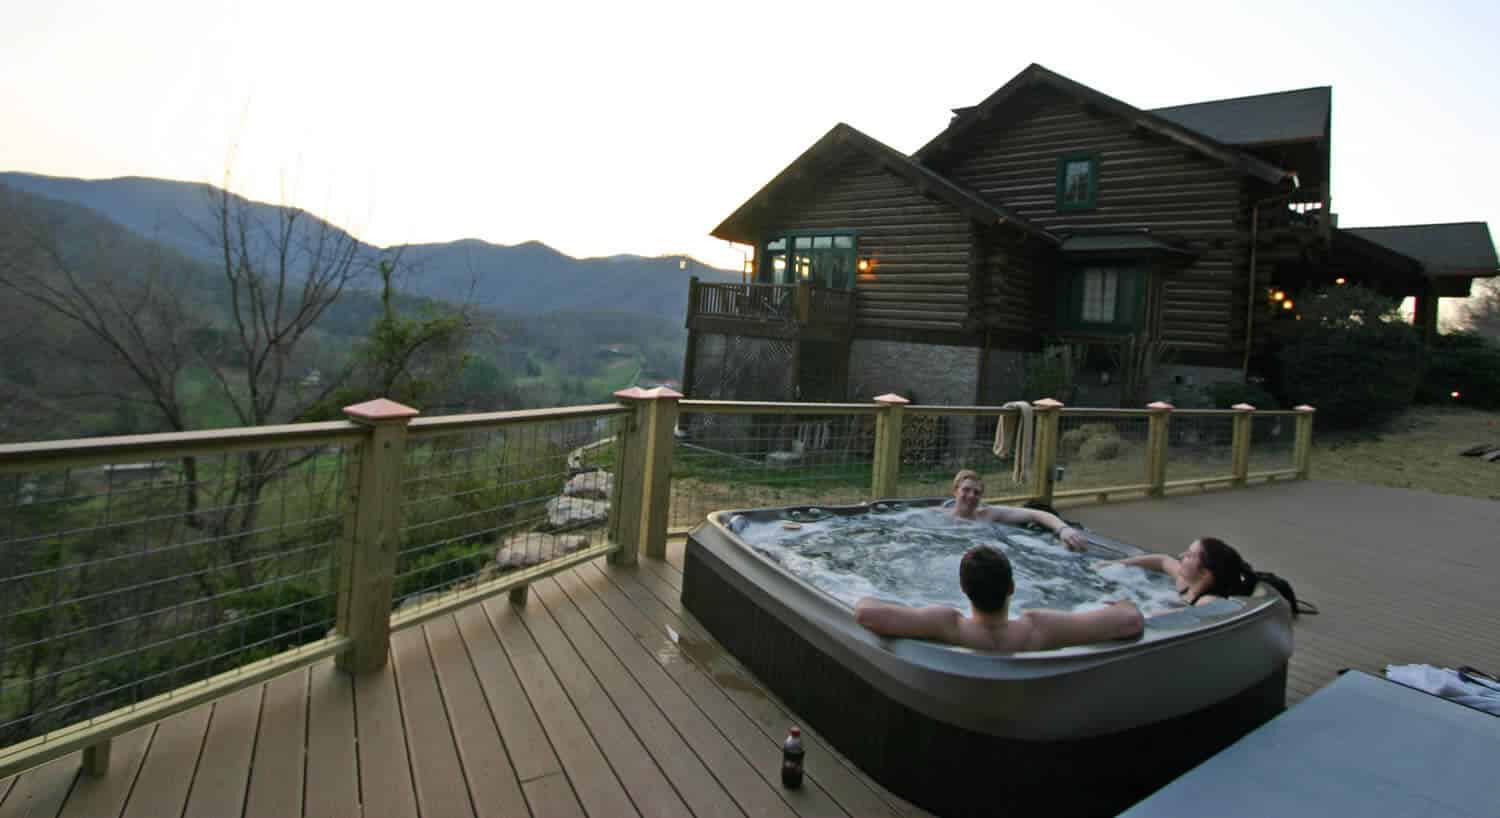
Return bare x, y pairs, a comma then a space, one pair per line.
1200, 446
1101, 450
1273, 442
121, 582
478, 504
752, 460
937, 445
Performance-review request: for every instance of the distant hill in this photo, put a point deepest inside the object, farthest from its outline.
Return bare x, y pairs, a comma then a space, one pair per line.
525, 278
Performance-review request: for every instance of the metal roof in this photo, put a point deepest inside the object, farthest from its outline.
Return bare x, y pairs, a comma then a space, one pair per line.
1118, 243
1456, 249
1283, 116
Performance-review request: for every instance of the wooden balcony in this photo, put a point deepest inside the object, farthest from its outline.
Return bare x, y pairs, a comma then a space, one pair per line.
800, 311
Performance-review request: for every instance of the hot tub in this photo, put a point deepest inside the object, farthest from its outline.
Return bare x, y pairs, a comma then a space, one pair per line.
1086, 730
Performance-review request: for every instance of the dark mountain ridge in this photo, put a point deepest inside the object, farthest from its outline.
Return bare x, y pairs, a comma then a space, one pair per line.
524, 278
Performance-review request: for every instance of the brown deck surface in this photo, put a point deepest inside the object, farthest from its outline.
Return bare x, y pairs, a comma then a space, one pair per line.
603, 698
1400, 576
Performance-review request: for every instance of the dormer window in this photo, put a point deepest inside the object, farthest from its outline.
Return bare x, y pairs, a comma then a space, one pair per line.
1077, 182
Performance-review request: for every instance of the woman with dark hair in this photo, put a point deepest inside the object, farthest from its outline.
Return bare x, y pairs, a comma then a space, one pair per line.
1211, 569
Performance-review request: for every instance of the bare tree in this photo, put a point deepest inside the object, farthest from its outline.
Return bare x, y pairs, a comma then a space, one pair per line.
1482, 313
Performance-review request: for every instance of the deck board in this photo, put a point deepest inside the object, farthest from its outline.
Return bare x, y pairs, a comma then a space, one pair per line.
526, 743
682, 688
603, 697
167, 773
223, 774
551, 797
625, 748
40, 792
385, 786
627, 667
593, 781
487, 768
277, 769
332, 746
437, 775
735, 684
105, 795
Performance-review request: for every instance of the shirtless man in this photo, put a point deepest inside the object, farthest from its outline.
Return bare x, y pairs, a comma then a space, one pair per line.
986, 578
968, 490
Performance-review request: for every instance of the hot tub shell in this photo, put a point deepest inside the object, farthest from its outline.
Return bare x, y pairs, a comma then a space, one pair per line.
1078, 731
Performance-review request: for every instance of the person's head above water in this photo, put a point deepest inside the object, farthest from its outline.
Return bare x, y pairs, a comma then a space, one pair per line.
1212, 567
968, 490
986, 578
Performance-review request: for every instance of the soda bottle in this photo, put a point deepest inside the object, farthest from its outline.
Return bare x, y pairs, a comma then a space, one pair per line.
791, 759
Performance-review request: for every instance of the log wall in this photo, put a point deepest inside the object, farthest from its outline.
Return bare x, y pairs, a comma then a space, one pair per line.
920, 246
1144, 181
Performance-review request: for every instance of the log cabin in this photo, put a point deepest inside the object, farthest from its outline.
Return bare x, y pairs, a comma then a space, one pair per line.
1050, 215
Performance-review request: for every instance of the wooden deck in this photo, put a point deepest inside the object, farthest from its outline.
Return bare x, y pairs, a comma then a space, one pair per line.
603, 698
1401, 576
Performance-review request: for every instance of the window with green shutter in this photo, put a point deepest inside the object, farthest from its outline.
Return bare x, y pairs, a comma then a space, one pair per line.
1104, 300
1077, 182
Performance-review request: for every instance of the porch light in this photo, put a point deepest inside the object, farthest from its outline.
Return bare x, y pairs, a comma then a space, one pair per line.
863, 265
1287, 304
1277, 295
1341, 281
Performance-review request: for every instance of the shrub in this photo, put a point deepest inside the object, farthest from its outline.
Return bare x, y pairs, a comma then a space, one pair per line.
1467, 363
1351, 356
1225, 394
1101, 448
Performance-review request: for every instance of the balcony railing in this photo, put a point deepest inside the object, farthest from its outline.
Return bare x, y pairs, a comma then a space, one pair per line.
783, 304
142, 576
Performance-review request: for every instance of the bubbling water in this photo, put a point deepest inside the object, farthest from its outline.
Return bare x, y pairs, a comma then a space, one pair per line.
912, 556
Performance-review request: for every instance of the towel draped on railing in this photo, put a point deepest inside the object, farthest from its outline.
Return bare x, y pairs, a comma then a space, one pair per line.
1013, 436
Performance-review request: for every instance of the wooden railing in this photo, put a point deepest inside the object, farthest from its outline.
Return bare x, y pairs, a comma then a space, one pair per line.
802, 304
748, 302
644, 438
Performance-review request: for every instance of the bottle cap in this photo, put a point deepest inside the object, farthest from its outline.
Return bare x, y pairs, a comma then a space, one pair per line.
796, 731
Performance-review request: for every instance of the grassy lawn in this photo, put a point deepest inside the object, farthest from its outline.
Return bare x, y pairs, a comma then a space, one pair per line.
1419, 450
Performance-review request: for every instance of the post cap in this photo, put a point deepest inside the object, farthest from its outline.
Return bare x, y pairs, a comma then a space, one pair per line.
1047, 403
1243, 407
654, 393
1160, 406
891, 399
380, 410
1303, 408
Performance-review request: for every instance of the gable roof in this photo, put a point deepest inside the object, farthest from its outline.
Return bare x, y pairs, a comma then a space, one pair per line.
1034, 74
1454, 249
835, 145
1283, 116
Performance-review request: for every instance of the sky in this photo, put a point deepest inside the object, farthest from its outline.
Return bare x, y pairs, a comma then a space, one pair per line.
604, 128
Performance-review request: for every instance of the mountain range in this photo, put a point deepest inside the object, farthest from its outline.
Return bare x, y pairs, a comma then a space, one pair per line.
525, 278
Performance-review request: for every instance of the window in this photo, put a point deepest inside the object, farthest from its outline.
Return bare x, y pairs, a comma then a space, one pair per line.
822, 259
1103, 300
1077, 182
1100, 288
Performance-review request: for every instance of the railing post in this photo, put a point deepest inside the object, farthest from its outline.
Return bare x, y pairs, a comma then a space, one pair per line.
372, 535
1158, 436
804, 302
1240, 445
643, 480
1044, 455
1302, 454
886, 470
96, 758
